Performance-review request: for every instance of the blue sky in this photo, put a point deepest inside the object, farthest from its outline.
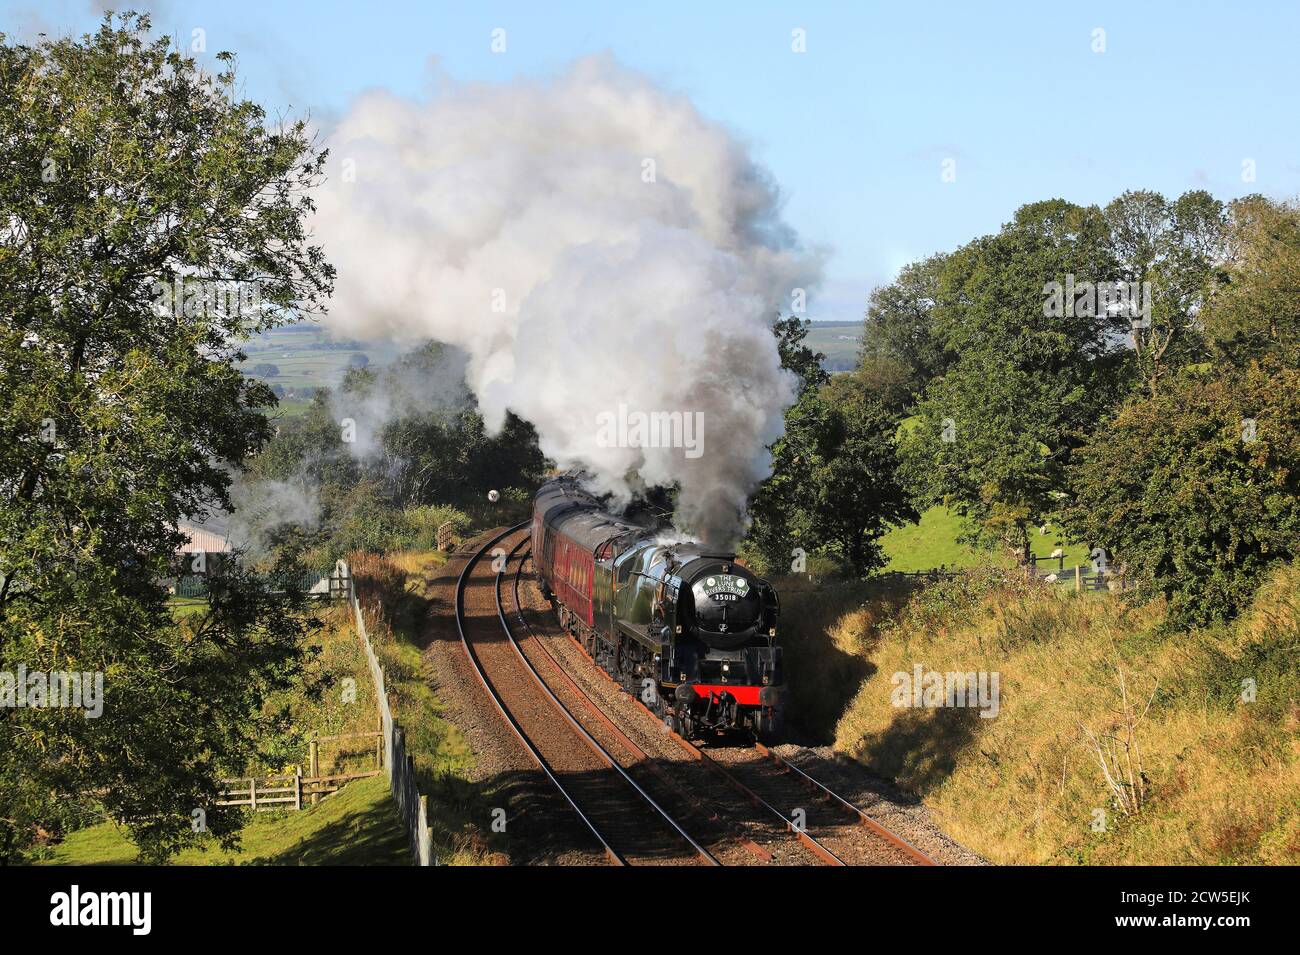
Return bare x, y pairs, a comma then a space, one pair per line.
857, 128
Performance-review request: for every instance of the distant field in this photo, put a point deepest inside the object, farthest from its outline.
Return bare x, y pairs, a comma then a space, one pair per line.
838, 341
304, 363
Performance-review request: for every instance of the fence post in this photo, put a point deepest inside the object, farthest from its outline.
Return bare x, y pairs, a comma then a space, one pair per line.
297, 787
313, 764
425, 837
1078, 578
252, 793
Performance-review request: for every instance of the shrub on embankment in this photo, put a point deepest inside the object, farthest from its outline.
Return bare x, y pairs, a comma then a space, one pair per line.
1197, 729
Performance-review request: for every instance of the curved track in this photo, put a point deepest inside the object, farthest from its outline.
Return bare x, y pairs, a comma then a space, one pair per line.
623, 818
766, 782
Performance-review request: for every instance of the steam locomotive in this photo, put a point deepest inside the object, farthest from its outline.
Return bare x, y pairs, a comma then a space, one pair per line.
692, 633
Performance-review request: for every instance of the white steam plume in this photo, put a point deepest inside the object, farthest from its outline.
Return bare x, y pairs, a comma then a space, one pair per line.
517, 222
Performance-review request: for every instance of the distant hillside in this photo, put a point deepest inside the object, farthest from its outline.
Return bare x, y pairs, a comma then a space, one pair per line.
838, 341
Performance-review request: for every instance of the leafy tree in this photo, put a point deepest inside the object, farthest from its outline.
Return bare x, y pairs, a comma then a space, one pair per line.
309, 449
901, 351
996, 428
265, 370
123, 168
364, 520
991, 442
1254, 308
795, 355
834, 488
1197, 488
1173, 246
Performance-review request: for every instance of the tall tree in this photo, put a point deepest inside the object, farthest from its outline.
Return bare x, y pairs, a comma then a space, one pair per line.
834, 488
795, 355
1197, 488
136, 192
1255, 305
1028, 384
1173, 247
901, 351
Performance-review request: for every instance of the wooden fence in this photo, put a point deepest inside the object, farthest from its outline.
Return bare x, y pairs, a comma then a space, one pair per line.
446, 538
1082, 577
268, 792
265, 793
411, 806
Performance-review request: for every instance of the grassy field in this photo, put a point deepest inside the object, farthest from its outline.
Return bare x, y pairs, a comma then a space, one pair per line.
356, 826
183, 607
932, 543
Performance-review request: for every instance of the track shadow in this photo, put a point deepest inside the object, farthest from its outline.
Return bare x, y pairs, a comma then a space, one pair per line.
921, 746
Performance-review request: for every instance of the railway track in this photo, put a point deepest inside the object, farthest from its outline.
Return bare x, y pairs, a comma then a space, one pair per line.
731, 844
774, 786
620, 815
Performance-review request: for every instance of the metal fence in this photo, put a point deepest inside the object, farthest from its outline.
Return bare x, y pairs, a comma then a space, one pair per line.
316, 583
411, 806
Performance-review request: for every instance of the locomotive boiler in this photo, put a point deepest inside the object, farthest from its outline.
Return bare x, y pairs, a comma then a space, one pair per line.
688, 630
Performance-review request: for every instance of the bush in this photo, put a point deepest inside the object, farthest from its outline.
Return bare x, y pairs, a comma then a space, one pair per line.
364, 521
1197, 489
422, 522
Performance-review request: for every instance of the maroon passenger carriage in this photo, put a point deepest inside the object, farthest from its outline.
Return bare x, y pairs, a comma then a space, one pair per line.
690, 631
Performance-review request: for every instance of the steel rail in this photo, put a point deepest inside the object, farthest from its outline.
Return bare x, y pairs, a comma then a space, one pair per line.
600, 750
810, 842
630, 745
610, 852
821, 789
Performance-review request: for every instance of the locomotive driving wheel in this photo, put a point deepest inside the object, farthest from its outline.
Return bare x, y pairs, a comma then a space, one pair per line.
769, 724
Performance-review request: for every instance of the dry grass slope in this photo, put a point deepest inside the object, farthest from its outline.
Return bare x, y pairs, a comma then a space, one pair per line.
1204, 771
